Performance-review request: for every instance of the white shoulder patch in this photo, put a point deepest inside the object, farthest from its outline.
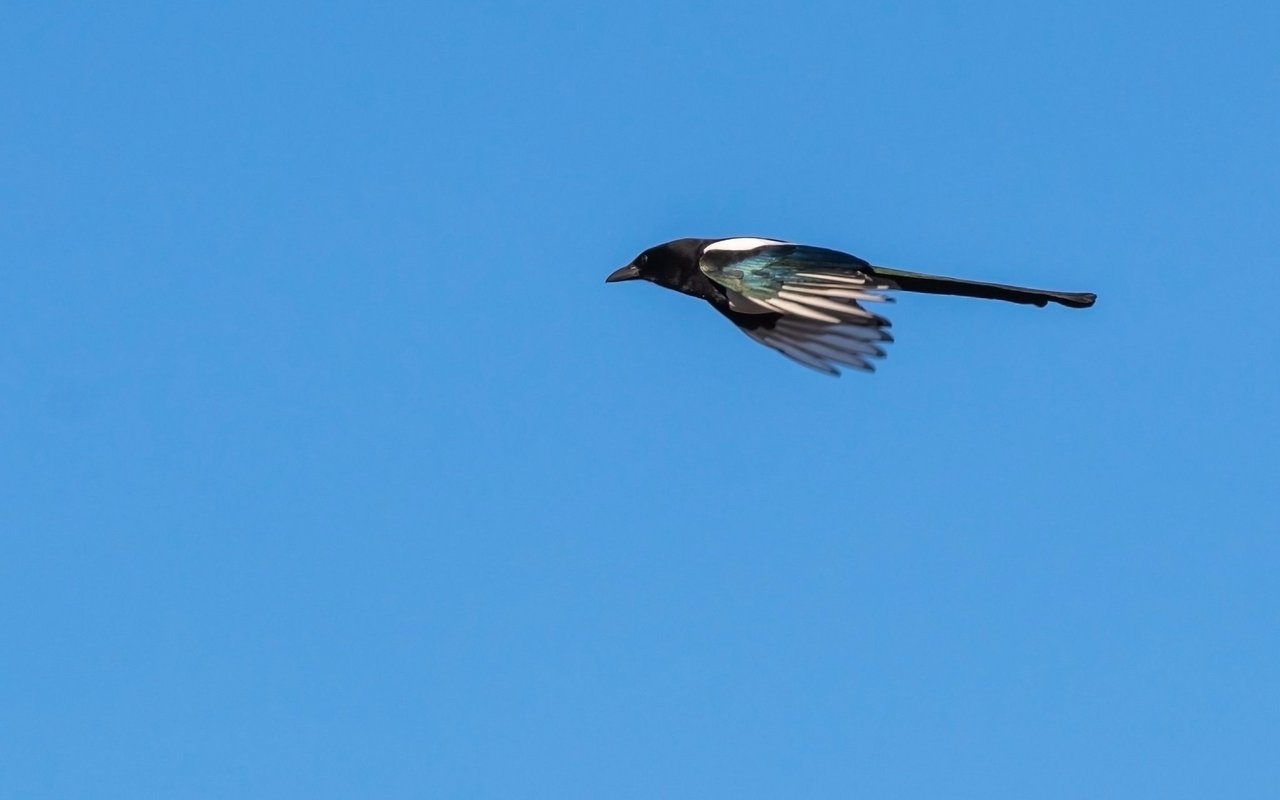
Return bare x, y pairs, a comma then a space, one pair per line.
745, 243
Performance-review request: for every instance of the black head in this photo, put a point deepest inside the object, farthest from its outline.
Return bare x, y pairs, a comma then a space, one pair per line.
671, 265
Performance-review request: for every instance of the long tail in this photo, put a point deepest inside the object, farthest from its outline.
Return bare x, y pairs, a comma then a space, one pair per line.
935, 284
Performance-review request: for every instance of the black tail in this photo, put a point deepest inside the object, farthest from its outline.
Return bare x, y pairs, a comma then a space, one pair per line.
934, 284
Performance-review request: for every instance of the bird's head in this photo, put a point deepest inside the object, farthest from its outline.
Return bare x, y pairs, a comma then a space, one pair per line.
666, 265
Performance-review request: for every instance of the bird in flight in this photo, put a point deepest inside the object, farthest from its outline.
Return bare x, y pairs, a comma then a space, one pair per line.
806, 302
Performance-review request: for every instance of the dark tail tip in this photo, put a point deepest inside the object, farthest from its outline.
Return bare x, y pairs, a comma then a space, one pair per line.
1075, 299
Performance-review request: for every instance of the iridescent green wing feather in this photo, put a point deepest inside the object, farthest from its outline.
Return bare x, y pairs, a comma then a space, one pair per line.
812, 298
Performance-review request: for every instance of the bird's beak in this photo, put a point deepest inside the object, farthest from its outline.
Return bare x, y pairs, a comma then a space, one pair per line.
628, 273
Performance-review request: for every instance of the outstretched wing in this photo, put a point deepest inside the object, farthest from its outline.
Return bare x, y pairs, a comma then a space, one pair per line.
805, 302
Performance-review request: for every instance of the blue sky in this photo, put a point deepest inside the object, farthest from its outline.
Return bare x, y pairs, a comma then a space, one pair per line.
331, 468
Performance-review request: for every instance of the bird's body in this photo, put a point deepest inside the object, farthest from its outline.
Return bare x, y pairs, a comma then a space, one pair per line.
806, 302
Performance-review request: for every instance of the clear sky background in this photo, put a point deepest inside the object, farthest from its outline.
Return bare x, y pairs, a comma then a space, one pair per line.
332, 469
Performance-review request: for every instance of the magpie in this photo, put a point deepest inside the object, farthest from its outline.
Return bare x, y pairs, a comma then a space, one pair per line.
806, 302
